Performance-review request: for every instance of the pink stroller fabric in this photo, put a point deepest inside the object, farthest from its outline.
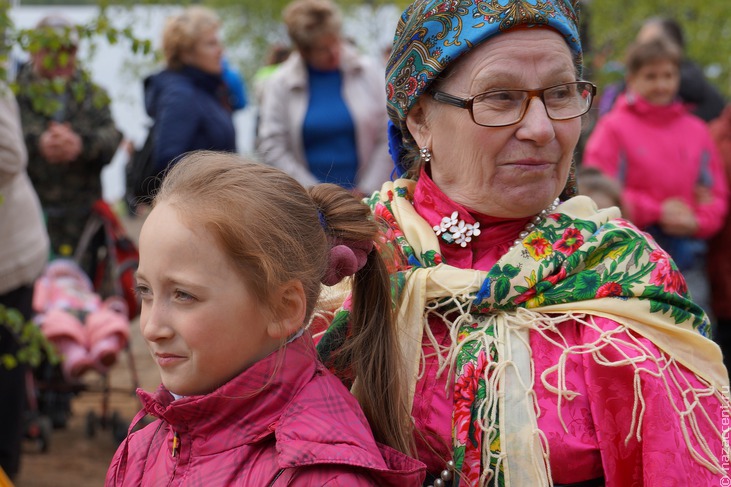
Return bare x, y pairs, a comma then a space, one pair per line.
87, 331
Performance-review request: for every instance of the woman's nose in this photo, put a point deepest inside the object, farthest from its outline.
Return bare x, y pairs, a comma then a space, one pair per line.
536, 125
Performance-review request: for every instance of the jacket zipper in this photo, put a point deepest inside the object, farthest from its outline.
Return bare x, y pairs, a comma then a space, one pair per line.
176, 443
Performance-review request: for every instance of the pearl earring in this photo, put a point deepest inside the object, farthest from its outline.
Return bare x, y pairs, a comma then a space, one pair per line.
425, 154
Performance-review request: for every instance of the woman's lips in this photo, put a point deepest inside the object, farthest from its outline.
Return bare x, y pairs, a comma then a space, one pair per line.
529, 162
530, 165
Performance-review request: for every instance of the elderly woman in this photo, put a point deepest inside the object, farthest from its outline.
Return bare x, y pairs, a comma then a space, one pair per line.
542, 341
323, 112
188, 100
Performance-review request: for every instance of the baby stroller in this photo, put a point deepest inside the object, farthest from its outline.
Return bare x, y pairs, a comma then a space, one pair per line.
88, 332
87, 319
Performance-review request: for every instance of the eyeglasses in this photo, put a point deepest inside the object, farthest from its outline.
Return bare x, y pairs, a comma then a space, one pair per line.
500, 108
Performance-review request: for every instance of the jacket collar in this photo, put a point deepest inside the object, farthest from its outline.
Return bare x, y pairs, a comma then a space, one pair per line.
296, 69
314, 419
291, 396
211, 83
496, 234
252, 402
660, 114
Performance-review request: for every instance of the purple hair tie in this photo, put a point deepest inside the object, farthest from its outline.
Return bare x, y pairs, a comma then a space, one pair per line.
346, 258
321, 217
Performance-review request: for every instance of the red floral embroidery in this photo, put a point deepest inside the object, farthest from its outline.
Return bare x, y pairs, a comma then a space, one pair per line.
570, 241
609, 289
665, 275
557, 277
526, 296
411, 86
538, 246
465, 390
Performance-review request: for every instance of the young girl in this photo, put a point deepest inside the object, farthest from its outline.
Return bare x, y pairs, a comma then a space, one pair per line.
232, 259
672, 179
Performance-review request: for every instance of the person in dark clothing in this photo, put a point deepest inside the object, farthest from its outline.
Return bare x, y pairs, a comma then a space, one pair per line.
188, 100
719, 259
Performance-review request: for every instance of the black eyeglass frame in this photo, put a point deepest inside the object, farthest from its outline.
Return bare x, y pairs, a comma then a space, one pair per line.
467, 103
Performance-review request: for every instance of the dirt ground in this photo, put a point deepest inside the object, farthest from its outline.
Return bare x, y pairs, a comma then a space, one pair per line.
75, 459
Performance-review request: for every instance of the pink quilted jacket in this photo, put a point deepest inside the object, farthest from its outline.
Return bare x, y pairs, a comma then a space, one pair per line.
297, 427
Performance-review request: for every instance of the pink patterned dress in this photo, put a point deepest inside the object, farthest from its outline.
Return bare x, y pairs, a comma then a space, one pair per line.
589, 438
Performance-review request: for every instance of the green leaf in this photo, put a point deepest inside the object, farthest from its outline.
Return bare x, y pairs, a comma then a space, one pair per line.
586, 225
587, 284
459, 457
34, 346
8, 361
502, 288
510, 270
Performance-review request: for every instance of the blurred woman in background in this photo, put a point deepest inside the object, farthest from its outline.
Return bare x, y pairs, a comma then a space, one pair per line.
323, 114
189, 101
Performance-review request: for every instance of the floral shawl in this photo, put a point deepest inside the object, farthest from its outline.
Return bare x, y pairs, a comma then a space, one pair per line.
576, 264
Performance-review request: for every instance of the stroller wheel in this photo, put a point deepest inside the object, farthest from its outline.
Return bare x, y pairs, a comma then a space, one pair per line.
38, 430
59, 419
45, 427
58, 407
91, 424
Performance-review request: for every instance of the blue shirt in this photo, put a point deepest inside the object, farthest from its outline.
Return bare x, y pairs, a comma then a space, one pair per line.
328, 131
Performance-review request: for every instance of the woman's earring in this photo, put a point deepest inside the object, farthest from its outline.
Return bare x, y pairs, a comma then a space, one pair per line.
425, 154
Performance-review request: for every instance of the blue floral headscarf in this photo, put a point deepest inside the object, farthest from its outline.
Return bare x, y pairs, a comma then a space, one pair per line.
432, 34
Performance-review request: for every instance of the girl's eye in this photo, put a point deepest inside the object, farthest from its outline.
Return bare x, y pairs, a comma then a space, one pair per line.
183, 296
142, 291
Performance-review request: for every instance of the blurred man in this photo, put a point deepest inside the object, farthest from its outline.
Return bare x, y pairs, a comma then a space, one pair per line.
69, 132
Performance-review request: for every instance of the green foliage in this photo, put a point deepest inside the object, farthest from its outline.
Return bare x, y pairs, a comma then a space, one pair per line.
36, 41
612, 26
33, 344
252, 25
56, 50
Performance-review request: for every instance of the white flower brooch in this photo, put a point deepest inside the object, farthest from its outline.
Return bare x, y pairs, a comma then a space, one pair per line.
452, 230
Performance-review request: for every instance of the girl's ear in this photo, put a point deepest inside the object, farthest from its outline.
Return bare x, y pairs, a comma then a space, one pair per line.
416, 121
289, 311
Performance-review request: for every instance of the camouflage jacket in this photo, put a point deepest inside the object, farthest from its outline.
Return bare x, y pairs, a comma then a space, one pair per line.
66, 191
85, 106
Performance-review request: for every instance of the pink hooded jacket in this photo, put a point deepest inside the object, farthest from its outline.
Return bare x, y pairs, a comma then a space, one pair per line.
659, 152
284, 421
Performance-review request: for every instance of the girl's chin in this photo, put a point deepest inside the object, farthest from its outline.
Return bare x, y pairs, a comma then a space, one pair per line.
661, 102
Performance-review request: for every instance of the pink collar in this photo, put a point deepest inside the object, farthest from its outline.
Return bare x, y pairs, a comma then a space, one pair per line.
496, 234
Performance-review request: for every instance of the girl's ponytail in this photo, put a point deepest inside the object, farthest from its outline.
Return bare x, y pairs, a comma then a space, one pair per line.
371, 351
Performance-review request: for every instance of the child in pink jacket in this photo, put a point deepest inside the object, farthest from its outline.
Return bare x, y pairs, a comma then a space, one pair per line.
233, 255
664, 158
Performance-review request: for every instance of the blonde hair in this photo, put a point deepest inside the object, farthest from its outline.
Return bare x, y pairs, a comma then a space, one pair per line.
309, 20
271, 229
182, 32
